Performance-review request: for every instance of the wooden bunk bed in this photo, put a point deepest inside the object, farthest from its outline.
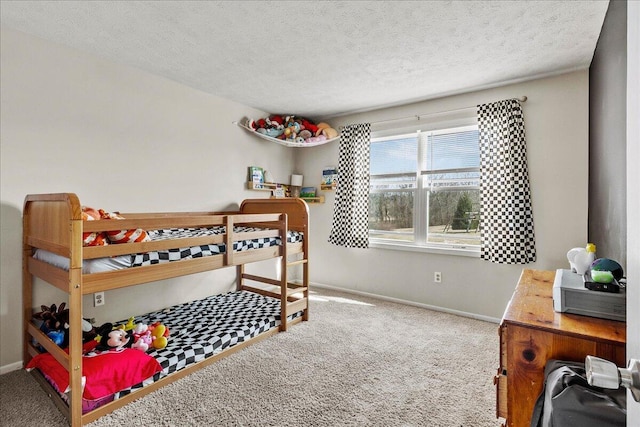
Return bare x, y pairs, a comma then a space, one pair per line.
53, 223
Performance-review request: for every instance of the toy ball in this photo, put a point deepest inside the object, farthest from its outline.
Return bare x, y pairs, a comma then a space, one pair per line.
606, 264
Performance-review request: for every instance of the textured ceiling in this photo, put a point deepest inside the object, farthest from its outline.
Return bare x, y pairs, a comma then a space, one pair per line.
324, 58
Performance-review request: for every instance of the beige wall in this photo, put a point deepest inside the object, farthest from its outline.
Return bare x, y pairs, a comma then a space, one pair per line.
121, 140
556, 119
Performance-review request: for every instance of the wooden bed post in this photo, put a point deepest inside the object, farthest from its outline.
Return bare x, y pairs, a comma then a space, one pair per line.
228, 253
239, 277
75, 323
284, 277
305, 271
27, 287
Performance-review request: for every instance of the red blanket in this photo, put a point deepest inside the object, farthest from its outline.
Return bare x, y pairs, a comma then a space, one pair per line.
103, 373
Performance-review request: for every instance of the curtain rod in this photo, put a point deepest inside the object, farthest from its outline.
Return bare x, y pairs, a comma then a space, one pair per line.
419, 116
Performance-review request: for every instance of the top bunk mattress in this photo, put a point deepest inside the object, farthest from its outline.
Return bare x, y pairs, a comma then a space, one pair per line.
100, 265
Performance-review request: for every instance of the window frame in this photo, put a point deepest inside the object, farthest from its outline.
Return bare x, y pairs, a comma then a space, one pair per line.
421, 190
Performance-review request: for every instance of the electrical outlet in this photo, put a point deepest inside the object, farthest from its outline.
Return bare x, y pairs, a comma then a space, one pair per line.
437, 277
98, 299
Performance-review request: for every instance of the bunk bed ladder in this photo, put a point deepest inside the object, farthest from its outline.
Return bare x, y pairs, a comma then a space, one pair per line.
288, 292
296, 288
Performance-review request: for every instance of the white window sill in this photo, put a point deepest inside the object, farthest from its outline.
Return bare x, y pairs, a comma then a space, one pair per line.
473, 252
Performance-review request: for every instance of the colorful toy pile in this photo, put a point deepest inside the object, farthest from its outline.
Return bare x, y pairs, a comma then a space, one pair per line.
292, 129
54, 322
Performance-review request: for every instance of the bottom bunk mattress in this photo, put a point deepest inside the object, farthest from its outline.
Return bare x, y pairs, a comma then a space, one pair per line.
198, 330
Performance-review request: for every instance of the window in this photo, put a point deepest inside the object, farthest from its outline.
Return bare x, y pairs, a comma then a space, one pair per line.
425, 189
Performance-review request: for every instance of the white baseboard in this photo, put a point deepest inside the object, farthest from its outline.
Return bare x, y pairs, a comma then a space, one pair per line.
10, 367
412, 303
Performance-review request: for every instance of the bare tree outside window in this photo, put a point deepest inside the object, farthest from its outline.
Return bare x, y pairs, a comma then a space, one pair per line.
425, 188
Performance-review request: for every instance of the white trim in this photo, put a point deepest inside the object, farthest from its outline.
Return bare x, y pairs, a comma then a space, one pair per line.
10, 367
411, 303
473, 252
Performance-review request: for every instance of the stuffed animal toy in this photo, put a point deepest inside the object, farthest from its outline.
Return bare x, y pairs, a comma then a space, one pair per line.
276, 121
313, 139
305, 134
63, 320
140, 329
326, 130
129, 326
55, 323
154, 336
113, 339
89, 332
292, 128
310, 126
271, 126
143, 341
142, 338
51, 317
59, 338
159, 334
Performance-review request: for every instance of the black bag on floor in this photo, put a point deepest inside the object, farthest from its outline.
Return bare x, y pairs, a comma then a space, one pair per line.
568, 400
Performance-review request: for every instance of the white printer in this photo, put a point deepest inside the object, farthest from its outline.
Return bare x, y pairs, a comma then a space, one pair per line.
571, 296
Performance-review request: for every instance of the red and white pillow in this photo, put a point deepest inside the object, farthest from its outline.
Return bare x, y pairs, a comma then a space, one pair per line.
114, 236
93, 238
124, 236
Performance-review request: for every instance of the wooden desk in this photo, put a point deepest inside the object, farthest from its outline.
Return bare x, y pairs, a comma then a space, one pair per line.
532, 333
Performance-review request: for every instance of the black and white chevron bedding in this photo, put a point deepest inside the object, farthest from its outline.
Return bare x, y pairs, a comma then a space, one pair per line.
203, 328
177, 254
126, 261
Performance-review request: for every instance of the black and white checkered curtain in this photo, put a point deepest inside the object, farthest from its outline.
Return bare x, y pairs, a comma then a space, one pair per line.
350, 226
506, 218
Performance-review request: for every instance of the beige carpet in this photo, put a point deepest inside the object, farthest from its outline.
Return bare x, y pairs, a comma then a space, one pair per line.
357, 362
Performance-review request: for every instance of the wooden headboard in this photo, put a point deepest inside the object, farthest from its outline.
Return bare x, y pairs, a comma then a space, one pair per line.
296, 209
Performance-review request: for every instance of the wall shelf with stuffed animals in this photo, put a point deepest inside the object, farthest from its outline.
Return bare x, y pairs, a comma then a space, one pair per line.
290, 131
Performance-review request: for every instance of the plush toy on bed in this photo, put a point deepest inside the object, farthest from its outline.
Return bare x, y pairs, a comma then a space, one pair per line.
130, 325
89, 332
142, 338
160, 335
146, 337
55, 323
113, 339
51, 317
